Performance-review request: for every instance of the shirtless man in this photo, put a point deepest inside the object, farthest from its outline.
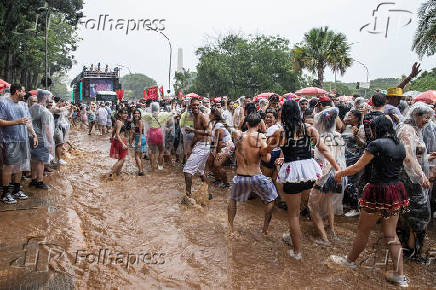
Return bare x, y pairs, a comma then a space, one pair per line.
251, 147
200, 148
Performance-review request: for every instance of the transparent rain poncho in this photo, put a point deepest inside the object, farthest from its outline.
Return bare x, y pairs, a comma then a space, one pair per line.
429, 137
14, 139
416, 163
43, 125
62, 123
325, 123
156, 123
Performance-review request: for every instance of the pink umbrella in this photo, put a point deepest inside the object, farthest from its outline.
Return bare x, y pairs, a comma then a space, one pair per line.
428, 97
311, 92
263, 96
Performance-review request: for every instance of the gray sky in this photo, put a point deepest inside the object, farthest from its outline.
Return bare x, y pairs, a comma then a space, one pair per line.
189, 24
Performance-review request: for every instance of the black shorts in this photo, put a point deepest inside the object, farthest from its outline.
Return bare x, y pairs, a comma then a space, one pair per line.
14, 153
294, 188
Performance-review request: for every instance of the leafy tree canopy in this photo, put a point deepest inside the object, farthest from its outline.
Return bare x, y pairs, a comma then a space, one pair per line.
237, 65
134, 84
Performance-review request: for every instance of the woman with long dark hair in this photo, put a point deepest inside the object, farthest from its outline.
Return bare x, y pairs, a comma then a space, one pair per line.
140, 141
299, 171
384, 197
223, 147
120, 135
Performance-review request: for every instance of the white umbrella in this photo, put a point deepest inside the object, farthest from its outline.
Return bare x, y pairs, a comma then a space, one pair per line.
411, 93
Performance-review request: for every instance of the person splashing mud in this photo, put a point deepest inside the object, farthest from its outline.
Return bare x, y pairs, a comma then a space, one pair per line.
200, 149
250, 149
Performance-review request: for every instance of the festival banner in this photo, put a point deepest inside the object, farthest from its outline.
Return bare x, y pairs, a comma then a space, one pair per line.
161, 91
151, 93
120, 94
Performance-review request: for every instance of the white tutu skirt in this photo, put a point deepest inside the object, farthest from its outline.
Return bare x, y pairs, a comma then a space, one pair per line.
299, 171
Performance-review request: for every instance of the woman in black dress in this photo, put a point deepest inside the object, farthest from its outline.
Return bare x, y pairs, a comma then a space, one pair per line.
383, 197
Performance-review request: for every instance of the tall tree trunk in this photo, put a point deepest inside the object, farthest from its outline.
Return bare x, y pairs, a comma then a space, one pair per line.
320, 76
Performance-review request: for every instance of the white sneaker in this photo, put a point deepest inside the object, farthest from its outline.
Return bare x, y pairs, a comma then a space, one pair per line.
399, 280
295, 256
62, 162
343, 261
352, 213
160, 167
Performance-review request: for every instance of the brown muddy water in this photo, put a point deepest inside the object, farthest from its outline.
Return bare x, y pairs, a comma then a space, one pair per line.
81, 233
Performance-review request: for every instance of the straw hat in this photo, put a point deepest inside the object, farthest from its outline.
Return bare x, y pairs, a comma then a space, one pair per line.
394, 92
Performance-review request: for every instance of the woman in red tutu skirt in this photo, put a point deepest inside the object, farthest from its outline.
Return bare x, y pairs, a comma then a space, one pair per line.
119, 148
383, 197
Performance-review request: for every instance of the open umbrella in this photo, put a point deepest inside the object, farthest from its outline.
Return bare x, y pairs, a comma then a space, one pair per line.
311, 91
193, 95
289, 96
33, 92
263, 96
428, 97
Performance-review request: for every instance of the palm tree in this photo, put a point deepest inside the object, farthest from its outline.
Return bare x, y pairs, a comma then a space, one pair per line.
425, 36
322, 48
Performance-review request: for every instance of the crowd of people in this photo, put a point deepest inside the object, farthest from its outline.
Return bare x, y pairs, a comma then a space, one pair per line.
312, 157
33, 131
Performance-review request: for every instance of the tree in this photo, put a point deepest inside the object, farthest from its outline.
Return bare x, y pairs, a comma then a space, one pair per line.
60, 88
425, 36
427, 81
322, 48
134, 84
22, 43
237, 65
184, 80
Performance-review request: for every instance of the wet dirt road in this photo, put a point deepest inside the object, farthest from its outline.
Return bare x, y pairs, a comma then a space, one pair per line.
90, 232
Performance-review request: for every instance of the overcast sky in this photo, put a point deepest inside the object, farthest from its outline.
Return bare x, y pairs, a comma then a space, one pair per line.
190, 23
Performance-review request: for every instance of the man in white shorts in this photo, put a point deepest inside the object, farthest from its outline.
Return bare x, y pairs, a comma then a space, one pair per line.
200, 148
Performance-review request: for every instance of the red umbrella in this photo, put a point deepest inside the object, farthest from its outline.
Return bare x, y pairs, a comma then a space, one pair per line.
311, 92
4, 84
33, 92
428, 97
263, 96
193, 95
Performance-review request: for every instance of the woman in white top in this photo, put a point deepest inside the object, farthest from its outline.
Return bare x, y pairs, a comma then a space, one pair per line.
222, 148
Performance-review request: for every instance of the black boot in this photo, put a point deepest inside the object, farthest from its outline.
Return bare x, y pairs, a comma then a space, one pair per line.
419, 243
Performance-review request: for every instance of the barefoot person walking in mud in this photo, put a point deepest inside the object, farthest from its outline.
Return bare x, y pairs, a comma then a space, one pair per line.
200, 148
119, 148
251, 148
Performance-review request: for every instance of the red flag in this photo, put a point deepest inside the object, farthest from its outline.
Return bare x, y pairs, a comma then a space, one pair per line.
161, 91
180, 94
120, 94
152, 93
